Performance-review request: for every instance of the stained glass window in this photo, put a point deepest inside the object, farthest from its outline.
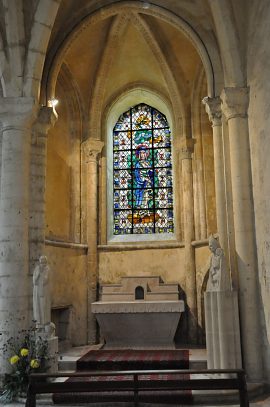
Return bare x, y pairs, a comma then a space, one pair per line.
142, 173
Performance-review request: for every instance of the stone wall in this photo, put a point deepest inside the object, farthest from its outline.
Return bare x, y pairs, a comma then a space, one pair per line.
167, 263
258, 67
69, 288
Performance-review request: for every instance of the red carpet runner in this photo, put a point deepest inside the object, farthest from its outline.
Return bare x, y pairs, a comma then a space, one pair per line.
131, 360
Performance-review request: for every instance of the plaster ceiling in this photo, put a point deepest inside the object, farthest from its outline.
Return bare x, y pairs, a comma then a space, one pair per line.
129, 48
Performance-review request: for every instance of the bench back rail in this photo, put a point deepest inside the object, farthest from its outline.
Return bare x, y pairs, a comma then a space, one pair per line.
134, 381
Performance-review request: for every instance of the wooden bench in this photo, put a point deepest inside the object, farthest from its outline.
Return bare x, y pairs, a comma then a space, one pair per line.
224, 379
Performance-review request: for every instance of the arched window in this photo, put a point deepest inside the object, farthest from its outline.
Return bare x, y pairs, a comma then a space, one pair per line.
142, 173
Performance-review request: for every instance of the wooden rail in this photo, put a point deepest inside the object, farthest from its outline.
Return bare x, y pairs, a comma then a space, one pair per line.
40, 383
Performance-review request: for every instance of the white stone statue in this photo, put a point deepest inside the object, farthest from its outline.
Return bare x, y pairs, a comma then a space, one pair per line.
41, 293
218, 273
221, 314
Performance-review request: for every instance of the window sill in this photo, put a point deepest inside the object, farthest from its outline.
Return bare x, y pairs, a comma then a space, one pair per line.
112, 247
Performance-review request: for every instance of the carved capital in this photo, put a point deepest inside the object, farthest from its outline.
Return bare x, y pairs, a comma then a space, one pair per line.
46, 119
92, 149
17, 113
235, 102
187, 148
213, 109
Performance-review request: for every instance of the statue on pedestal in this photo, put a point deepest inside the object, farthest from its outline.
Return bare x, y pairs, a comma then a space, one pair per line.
41, 293
221, 314
45, 329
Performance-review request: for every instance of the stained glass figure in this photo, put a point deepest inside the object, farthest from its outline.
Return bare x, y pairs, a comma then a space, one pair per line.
142, 168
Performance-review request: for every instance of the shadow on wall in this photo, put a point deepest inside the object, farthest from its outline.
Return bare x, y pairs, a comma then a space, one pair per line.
189, 332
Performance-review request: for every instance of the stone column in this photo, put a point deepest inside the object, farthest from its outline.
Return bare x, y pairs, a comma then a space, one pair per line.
92, 150
186, 151
213, 109
47, 117
17, 116
234, 105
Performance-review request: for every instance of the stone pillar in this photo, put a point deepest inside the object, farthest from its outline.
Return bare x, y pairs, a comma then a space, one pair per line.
92, 150
213, 108
46, 119
234, 105
17, 116
186, 151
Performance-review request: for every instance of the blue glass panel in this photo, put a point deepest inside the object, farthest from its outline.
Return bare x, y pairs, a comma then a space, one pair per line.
122, 179
142, 138
163, 198
163, 177
159, 120
122, 222
122, 199
143, 198
162, 138
121, 140
124, 122
162, 157
164, 221
141, 117
121, 160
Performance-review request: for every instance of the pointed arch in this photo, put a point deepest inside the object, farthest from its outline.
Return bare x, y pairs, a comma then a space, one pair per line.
40, 34
203, 42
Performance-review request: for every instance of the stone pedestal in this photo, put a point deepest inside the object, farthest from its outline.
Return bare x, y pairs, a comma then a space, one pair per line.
222, 330
45, 334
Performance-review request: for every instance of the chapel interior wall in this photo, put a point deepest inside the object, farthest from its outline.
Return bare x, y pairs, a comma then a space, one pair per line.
63, 179
258, 57
69, 288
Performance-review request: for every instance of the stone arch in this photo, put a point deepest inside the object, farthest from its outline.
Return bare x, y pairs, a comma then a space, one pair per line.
205, 45
199, 180
40, 34
228, 43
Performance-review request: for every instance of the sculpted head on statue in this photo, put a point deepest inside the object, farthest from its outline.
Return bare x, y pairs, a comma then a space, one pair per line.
213, 243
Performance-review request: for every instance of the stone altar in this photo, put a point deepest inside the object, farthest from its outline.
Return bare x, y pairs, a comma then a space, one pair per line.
127, 321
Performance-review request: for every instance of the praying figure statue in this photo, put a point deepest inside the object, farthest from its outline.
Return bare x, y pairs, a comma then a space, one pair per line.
218, 273
41, 293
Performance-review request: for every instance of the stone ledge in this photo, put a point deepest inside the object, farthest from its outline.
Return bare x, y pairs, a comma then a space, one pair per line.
137, 307
66, 245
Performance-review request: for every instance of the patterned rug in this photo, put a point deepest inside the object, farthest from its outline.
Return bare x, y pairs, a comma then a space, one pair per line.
130, 360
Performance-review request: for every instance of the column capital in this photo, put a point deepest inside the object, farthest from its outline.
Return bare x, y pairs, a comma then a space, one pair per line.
91, 149
17, 112
213, 109
46, 119
186, 148
235, 102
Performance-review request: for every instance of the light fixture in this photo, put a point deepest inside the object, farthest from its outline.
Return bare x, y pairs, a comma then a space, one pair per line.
53, 102
146, 4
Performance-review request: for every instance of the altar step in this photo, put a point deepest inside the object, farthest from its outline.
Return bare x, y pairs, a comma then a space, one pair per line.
197, 360
68, 360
